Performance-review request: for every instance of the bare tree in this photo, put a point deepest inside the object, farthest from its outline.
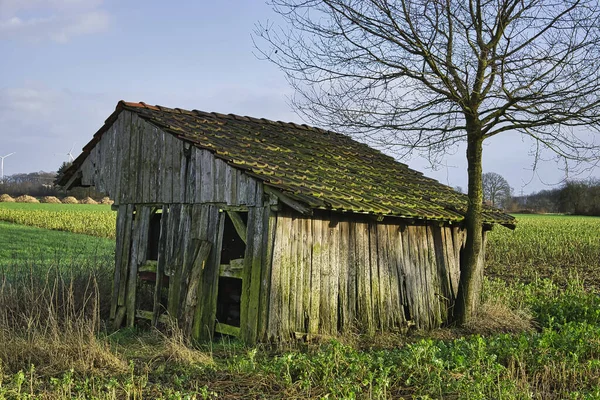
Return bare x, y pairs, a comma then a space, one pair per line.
426, 75
496, 189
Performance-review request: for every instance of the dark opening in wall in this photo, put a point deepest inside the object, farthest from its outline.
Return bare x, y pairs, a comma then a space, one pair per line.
233, 247
154, 235
229, 301
232, 254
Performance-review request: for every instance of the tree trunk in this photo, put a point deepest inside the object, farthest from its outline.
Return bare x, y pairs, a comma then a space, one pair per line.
471, 260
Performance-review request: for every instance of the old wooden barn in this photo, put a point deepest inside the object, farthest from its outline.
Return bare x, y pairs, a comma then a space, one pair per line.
266, 230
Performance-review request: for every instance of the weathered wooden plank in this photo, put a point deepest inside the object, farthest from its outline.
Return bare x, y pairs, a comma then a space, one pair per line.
246, 277
374, 275
184, 166
410, 274
286, 273
275, 298
363, 275
121, 217
124, 169
202, 251
125, 255
180, 241
344, 323
138, 256
383, 265
177, 161
268, 237
296, 304
334, 271
307, 244
291, 270
135, 193
204, 319
160, 265
207, 166
242, 189
250, 195
255, 282
167, 180
396, 289
219, 180
315, 276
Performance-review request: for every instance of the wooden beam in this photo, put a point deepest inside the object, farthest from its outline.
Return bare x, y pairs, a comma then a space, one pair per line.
234, 269
143, 314
72, 180
227, 329
287, 200
238, 223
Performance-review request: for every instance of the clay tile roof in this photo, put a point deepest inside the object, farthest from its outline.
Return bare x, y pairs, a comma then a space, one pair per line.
320, 168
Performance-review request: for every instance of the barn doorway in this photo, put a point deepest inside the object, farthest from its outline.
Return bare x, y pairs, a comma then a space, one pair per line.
229, 291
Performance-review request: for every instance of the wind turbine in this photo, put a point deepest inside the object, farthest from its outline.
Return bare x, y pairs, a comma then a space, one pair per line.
70, 153
2, 166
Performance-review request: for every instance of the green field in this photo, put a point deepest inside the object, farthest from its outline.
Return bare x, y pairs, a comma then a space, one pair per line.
537, 335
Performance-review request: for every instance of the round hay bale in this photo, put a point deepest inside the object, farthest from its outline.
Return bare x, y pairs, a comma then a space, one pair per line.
26, 199
107, 200
5, 198
50, 200
88, 200
70, 200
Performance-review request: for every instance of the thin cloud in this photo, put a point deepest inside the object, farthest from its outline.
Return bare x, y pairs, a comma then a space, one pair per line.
59, 21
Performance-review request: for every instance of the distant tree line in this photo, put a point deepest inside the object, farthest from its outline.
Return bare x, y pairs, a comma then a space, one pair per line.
38, 184
33, 183
574, 197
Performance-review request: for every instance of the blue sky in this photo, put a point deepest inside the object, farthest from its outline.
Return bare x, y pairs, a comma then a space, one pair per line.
66, 64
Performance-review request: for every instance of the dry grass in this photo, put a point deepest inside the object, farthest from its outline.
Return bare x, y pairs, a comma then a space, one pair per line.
107, 200
176, 348
88, 200
5, 198
70, 200
52, 322
496, 317
50, 200
26, 199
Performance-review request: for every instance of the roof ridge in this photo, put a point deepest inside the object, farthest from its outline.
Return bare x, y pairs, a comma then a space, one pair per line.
217, 115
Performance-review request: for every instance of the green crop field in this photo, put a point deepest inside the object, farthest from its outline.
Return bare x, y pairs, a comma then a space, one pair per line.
550, 246
536, 338
89, 219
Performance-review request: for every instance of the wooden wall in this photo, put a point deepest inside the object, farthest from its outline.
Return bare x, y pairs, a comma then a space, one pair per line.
136, 162
341, 272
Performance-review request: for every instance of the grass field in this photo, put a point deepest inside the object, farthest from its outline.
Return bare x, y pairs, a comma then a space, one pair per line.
26, 245
537, 337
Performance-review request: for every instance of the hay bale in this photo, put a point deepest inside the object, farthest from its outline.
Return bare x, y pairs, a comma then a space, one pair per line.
88, 200
70, 200
50, 200
106, 200
5, 198
26, 199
